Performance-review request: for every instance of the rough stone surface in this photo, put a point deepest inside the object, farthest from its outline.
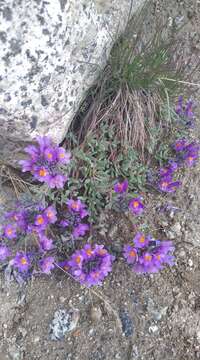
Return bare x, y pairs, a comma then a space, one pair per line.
62, 323
51, 52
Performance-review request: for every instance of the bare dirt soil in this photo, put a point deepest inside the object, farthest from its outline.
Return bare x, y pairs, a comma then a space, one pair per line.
132, 317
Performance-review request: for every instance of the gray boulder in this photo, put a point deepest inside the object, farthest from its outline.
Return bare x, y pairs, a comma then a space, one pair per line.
51, 52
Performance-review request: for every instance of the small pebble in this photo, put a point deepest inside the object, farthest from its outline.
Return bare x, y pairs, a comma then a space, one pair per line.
36, 339
96, 314
182, 253
153, 329
127, 323
190, 262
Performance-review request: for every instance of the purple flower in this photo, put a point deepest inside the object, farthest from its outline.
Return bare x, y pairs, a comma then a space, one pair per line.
169, 169
41, 173
166, 184
166, 246
4, 252
64, 223
63, 156
33, 151
80, 230
76, 206
179, 145
149, 258
18, 217
186, 110
190, 159
45, 243
47, 264
50, 213
9, 231
21, 262
121, 187
91, 264
50, 154
64, 265
45, 162
192, 147
57, 181
27, 165
44, 142
191, 154
41, 221
140, 241
130, 254
136, 206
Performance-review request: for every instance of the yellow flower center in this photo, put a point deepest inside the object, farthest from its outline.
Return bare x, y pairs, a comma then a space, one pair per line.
135, 204
23, 261
49, 155
132, 253
89, 252
190, 158
9, 231
42, 172
75, 205
78, 259
102, 252
165, 183
61, 155
49, 214
95, 275
158, 257
148, 257
142, 239
40, 220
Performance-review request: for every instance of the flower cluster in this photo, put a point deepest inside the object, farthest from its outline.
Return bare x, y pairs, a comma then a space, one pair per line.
123, 200
27, 225
166, 182
91, 265
34, 218
147, 255
45, 162
72, 218
187, 154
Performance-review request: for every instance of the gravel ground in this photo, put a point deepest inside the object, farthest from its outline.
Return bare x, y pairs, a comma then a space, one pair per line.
154, 317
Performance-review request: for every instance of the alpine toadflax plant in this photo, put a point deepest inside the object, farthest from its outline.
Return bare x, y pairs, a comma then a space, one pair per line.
34, 218
46, 161
123, 201
91, 264
26, 228
73, 216
147, 255
186, 154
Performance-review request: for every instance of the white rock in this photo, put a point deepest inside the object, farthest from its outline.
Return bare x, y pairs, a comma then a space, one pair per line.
51, 52
153, 329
